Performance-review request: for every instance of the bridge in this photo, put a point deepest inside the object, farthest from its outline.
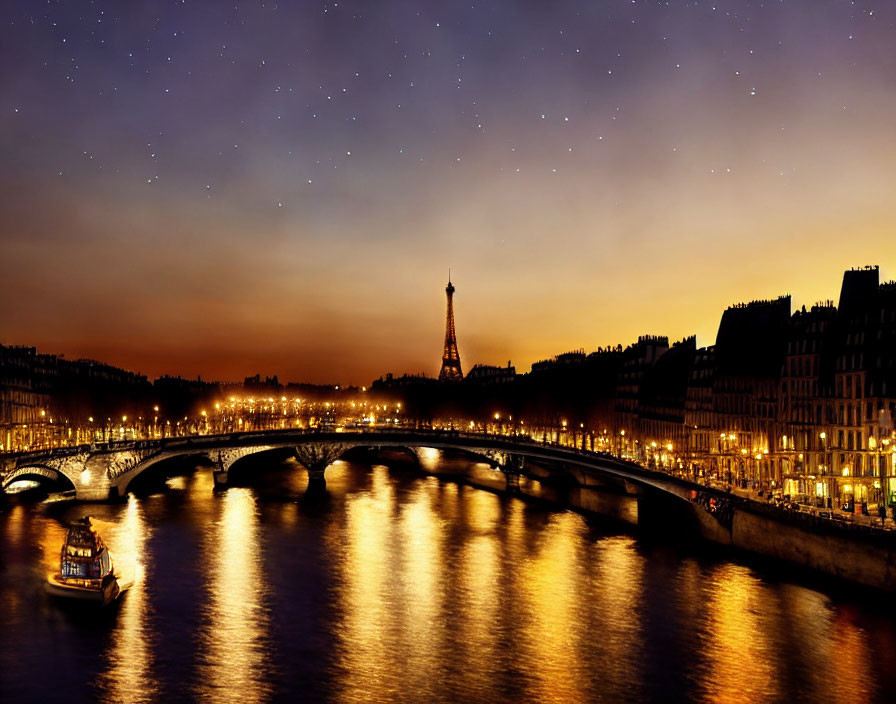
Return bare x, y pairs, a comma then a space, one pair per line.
858, 553
104, 472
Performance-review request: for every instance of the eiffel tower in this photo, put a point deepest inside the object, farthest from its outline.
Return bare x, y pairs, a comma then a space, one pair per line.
450, 358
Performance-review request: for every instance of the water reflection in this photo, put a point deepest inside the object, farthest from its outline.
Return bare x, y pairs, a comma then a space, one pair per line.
407, 589
429, 458
368, 596
742, 663
51, 535
129, 670
848, 669
422, 584
233, 638
553, 594
481, 622
804, 621
613, 616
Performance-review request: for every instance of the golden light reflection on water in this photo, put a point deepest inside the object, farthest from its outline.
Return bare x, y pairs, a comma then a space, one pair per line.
10, 598
480, 624
803, 619
613, 616
551, 588
848, 671
15, 525
129, 674
422, 583
234, 667
51, 537
367, 595
429, 458
178, 483
741, 658
449, 495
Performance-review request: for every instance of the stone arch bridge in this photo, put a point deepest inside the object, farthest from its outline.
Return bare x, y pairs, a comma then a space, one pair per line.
104, 472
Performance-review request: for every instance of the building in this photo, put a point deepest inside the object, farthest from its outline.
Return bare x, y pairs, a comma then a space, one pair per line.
662, 397
637, 360
44, 397
488, 375
749, 352
802, 409
702, 433
20, 403
862, 403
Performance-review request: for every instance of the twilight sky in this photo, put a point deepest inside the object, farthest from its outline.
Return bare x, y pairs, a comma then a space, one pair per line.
228, 188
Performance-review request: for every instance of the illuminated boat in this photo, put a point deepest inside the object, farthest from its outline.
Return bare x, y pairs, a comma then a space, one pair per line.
85, 567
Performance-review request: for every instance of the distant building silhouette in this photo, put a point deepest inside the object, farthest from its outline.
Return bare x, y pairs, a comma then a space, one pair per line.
486, 374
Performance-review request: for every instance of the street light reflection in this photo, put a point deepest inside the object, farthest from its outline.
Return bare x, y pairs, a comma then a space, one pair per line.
129, 676
742, 662
551, 587
232, 645
367, 595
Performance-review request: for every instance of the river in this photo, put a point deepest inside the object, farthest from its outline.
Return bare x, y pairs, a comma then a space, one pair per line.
398, 587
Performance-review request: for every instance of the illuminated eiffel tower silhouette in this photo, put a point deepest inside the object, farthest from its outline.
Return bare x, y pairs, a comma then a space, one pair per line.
450, 358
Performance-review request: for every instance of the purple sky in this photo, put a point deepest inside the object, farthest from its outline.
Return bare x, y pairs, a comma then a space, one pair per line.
231, 188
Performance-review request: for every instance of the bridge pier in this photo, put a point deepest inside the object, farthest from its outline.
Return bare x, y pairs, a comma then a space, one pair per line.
221, 472
316, 457
317, 482
513, 468
510, 465
220, 476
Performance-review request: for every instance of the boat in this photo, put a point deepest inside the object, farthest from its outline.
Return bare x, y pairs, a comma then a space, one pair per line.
86, 571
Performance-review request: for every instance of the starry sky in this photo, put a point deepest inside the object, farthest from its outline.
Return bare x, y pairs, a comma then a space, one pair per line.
225, 188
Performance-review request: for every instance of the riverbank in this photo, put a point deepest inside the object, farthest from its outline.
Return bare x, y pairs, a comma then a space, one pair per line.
851, 551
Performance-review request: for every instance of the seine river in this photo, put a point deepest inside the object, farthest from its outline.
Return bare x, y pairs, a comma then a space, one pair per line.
399, 587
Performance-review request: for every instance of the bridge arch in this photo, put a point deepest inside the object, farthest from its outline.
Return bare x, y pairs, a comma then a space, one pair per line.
127, 478
38, 472
238, 463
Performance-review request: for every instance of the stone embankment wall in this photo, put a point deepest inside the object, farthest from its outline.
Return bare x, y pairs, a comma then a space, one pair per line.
854, 553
